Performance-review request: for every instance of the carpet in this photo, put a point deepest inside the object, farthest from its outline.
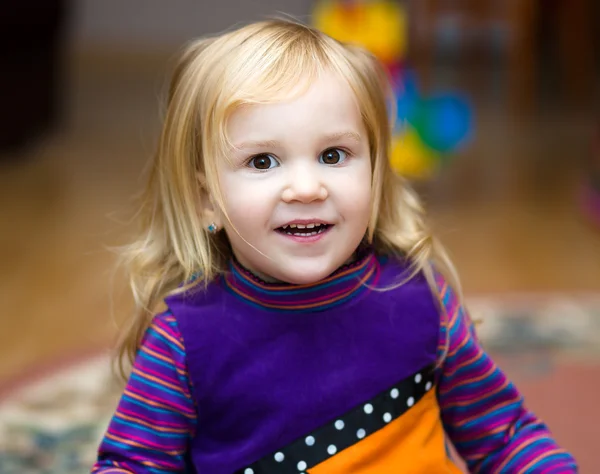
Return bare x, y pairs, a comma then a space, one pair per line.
53, 425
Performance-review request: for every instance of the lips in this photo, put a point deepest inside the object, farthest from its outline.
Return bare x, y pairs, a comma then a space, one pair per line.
307, 228
302, 229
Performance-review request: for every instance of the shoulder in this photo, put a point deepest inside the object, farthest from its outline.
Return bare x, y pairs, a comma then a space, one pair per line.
401, 275
452, 303
399, 270
164, 320
436, 292
196, 296
164, 332
163, 351
408, 289
457, 330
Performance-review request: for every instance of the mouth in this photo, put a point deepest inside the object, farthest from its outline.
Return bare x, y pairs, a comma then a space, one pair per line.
304, 230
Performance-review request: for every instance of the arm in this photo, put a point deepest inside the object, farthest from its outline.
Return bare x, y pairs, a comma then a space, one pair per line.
483, 413
155, 420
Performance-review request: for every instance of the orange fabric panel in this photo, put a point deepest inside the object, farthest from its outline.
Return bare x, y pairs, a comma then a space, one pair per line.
414, 443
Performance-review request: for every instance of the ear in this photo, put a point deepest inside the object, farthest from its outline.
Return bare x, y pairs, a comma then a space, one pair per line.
209, 211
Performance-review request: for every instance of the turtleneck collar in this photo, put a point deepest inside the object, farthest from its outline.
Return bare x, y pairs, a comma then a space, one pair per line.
345, 283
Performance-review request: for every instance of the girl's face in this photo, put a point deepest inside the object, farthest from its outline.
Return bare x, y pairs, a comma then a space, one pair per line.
298, 188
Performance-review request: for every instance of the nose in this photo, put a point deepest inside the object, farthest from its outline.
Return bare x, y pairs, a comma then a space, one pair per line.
304, 184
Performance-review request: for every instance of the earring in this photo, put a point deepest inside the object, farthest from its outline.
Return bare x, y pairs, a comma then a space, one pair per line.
212, 227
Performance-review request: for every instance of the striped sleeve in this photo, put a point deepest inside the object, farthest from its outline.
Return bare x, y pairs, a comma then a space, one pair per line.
156, 417
483, 412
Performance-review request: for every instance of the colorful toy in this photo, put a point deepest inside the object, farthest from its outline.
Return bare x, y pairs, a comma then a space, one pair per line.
379, 26
410, 157
429, 129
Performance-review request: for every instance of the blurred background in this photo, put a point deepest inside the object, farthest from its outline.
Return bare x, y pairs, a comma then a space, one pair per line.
516, 198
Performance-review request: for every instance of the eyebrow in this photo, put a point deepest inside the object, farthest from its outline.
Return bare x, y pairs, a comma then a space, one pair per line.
337, 136
258, 144
274, 143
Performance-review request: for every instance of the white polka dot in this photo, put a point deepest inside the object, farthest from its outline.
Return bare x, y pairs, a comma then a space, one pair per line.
310, 440
360, 434
368, 408
410, 402
331, 449
394, 393
427, 386
387, 417
248, 471
301, 466
339, 425
418, 378
279, 457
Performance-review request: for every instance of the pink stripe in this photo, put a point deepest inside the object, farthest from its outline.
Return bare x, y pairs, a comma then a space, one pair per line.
464, 341
483, 436
479, 368
159, 375
466, 381
524, 444
547, 452
329, 296
124, 437
467, 363
150, 421
457, 399
144, 460
161, 401
492, 409
161, 350
169, 330
167, 354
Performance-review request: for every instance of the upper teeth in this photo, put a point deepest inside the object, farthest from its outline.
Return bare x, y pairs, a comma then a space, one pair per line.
300, 226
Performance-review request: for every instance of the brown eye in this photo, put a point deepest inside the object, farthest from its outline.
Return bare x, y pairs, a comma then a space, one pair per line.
263, 162
333, 156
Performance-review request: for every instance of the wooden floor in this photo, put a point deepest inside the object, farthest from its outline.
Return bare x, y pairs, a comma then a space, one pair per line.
506, 208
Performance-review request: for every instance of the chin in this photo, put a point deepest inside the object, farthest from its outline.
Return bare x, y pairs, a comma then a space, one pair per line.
303, 278
309, 274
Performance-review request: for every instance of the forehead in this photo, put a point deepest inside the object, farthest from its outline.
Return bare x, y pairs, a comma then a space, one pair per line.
328, 102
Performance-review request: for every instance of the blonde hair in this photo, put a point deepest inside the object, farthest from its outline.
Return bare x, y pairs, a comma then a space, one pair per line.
258, 63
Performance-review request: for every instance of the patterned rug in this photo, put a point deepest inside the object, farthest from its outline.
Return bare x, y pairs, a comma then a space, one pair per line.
53, 426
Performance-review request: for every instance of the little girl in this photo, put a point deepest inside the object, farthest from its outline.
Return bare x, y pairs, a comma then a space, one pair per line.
312, 323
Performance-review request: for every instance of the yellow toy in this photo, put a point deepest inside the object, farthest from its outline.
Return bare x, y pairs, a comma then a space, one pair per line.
410, 157
378, 25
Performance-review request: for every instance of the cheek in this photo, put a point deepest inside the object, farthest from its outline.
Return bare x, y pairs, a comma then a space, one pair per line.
355, 192
360, 205
242, 212
246, 200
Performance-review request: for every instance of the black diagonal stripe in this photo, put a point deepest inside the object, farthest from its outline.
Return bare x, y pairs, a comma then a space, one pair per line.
348, 429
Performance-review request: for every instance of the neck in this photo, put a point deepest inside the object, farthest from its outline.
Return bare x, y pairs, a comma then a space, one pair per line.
347, 281
359, 253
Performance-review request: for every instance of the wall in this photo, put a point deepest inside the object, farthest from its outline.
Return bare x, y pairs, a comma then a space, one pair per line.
164, 24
